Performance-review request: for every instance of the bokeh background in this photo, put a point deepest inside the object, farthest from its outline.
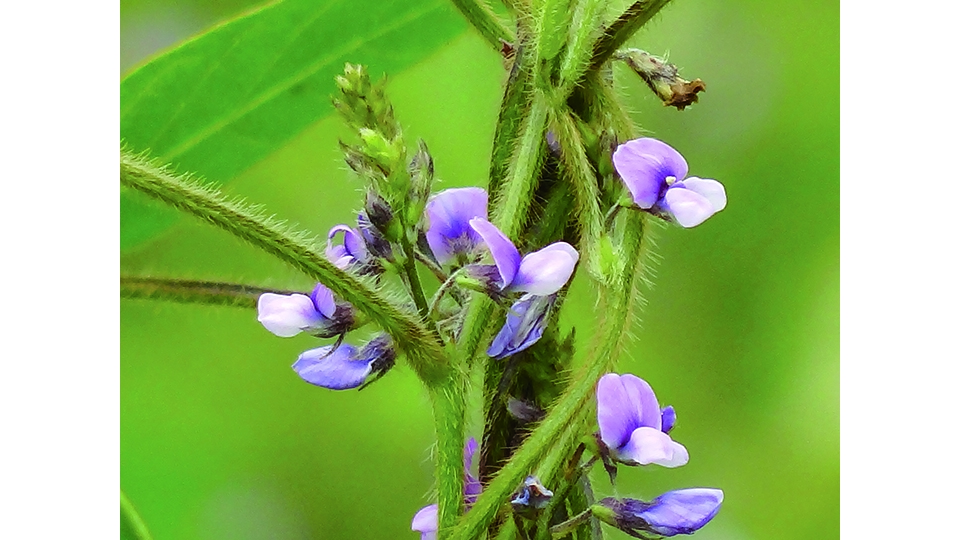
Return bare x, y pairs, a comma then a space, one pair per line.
221, 440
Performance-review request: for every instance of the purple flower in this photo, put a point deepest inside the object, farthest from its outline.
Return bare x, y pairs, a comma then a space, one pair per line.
631, 423
352, 251
531, 498
449, 213
540, 273
287, 315
655, 174
425, 520
524, 326
344, 367
676, 512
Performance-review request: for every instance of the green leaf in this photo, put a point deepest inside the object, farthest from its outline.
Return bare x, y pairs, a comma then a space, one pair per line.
221, 102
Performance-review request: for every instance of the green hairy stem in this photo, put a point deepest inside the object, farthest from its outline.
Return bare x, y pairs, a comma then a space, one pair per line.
622, 29
546, 445
479, 14
194, 292
298, 249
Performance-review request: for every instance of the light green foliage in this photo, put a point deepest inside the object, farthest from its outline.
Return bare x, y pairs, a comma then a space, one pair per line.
222, 102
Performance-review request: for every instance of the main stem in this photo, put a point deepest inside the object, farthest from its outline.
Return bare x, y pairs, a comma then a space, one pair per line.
617, 301
448, 414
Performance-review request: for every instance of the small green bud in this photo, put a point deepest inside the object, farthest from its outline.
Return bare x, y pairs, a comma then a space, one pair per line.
604, 514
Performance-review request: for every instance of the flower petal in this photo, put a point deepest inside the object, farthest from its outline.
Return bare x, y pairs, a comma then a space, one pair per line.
334, 369
546, 271
644, 165
617, 416
688, 207
710, 189
642, 397
425, 522
322, 298
683, 511
505, 254
471, 484
648, 445
449, 213
523, 327
352, 247
286, 315
668, 417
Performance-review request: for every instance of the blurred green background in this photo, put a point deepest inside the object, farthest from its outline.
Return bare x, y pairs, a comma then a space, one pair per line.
221, 440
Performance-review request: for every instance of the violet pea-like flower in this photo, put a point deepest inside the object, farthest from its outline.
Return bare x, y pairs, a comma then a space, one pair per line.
449, 213
344, 367
540, 273
632, 424
683, 511
286, 315
655, 174
425, 520
524, 326
352, 251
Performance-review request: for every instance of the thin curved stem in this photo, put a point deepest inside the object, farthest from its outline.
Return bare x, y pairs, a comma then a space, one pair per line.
622, 29
194, 292
420, 345
479, 14
130, 518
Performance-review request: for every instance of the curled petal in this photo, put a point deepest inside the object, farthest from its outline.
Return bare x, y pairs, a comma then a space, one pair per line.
546, 271
449, 213
683, 511
353, 248
425, 522
688, 207
287, 315
648, 445
322, 298
644, 165
711, 190
337, 369
505, 254
617, 415
524, 326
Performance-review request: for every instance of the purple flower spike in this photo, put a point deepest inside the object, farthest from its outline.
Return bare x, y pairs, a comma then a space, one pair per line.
352, 251
655, 173
449, 213
540, 273
631, 424
526, 321
683, 511
345, 367
425, 520
287, 315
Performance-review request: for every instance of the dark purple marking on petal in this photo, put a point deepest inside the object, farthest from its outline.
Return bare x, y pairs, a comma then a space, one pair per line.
449, 213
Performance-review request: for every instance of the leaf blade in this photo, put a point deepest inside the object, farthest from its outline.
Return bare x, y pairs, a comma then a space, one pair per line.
224, 100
